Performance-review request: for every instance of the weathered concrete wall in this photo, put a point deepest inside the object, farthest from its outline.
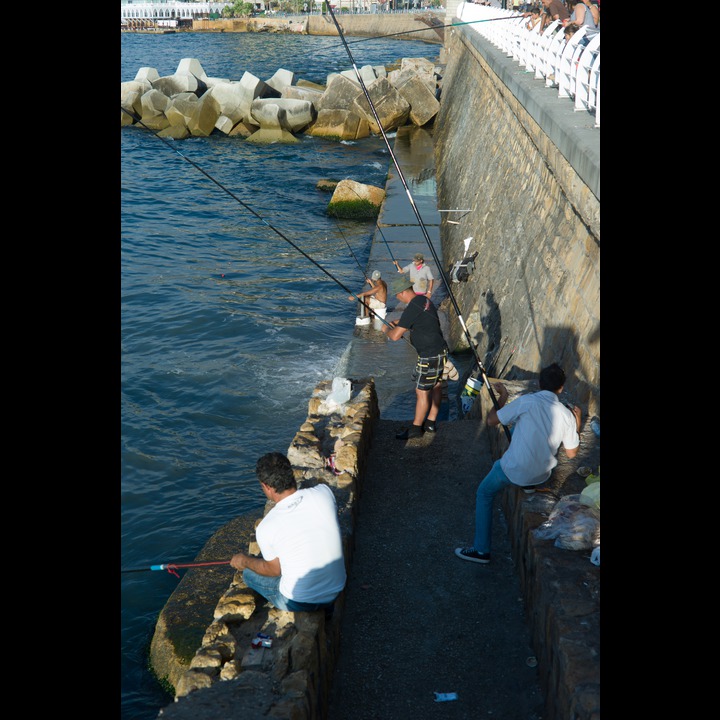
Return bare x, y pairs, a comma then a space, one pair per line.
534, 221
378, 25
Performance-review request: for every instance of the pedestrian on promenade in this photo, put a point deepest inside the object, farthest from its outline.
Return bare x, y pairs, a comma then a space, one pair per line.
421, 318
377, 295
541, 424
302, 567
580, 15
554, 10
420, 274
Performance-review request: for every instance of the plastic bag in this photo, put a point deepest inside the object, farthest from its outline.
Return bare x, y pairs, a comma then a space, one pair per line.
572, 524
338, 396
591, 495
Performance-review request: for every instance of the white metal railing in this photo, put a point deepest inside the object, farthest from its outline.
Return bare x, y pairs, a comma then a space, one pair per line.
572, 67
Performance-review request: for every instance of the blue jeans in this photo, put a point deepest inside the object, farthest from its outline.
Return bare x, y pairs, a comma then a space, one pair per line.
269, 588
491, 485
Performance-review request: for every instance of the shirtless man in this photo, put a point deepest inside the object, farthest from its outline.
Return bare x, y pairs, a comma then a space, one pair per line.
377, 295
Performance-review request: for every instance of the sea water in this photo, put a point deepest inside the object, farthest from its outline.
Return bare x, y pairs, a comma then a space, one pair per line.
229, 312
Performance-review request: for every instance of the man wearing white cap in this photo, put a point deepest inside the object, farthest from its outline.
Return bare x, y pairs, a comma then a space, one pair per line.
377, 296
420, 275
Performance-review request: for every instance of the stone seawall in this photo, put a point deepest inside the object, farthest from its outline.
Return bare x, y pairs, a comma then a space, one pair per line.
372, 25
527, 168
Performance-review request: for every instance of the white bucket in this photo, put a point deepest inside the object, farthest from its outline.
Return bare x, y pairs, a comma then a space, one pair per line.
362, 320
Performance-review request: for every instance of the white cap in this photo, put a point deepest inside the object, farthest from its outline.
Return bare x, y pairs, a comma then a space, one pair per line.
376, 275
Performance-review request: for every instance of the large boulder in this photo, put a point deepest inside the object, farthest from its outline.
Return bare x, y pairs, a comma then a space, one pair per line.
352, 199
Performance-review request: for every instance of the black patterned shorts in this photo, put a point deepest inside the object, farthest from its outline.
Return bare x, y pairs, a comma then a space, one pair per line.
428, 371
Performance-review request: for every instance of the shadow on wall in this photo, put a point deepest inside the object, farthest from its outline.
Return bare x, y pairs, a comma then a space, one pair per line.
559, 344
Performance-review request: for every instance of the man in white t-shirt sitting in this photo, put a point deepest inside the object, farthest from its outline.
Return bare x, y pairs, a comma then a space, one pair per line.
541, 424
302, 566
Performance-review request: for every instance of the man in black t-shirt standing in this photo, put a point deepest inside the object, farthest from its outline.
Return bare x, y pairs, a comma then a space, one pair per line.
420, 316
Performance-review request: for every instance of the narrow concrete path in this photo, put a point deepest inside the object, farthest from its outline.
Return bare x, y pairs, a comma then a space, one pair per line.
417, 619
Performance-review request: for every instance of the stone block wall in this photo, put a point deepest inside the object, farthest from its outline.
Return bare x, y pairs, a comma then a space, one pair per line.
532, 218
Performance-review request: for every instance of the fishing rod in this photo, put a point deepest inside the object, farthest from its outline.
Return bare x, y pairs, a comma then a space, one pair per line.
401, 175
507, 361
433, 27
257, 215
172, 567
492, 365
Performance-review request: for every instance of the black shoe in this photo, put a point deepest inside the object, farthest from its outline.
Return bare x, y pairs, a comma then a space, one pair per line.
472, 555
414, 431
430, 426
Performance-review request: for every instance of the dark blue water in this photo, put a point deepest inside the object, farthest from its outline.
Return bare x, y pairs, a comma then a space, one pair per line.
226, 328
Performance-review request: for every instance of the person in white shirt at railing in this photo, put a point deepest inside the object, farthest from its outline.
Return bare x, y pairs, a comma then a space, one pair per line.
580, 15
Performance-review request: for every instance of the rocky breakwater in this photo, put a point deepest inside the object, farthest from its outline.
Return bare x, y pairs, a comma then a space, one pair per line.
210, 663
189, 103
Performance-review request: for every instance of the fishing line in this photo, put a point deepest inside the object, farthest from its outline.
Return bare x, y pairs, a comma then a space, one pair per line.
377, 225
257, 215
471, 344
432, 27
351, 250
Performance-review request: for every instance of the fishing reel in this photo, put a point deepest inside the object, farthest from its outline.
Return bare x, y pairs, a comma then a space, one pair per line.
463, 269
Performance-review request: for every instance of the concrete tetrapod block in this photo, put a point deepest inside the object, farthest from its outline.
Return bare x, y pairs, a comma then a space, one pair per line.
266, 136
313, 96
281, 79
340, 94
391, 108
153, 102
295, 115
343, 124
423, 103
147, 74
130, 95
230, 97
191, 66
181, 109
252, 87
173, 84
204, 116
400, 77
